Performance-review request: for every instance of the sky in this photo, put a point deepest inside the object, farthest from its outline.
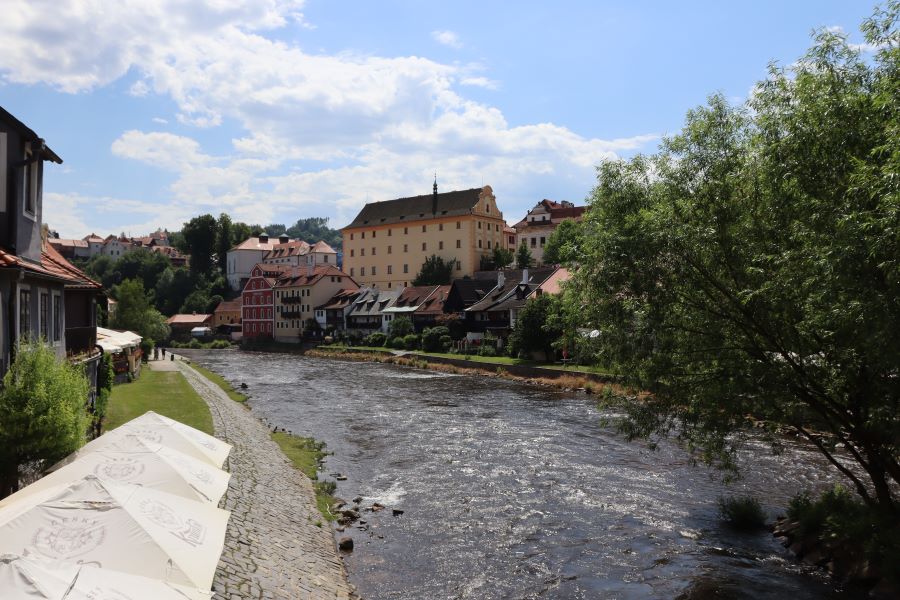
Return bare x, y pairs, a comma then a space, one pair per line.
275, 110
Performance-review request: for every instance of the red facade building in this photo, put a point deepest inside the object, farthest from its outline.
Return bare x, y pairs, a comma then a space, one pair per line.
258, 302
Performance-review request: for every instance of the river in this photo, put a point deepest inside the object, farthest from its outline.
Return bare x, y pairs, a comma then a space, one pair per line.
513, 491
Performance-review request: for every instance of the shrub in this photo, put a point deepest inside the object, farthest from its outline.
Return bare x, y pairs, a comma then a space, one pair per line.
744, 512
431, 339
411, 341
376, 339
396, 343
446, 342
487, 350
42, 412
219, 344
400, 327
195, 344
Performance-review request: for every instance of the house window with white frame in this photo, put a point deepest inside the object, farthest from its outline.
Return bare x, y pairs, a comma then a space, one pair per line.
24, 312
44, 314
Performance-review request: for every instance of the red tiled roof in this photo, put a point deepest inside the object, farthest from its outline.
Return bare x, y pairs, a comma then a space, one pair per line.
321, 246
52, 265
295, 248
298, 276
196, 320
434, 303
68, 243
253, 243
229, 306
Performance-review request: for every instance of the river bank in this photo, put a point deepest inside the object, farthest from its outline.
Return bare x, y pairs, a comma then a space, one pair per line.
274, 547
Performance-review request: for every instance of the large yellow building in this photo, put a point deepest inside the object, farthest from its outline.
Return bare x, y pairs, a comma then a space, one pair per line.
387, 243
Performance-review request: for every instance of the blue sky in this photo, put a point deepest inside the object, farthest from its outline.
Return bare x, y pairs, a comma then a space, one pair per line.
274, 110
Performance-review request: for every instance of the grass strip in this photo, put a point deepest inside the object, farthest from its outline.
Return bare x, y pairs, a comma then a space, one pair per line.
165, 392
307, 455
221, 382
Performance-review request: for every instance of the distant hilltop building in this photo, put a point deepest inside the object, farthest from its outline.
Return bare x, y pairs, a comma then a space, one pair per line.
387, 243
539, 223
266, 249
115, 246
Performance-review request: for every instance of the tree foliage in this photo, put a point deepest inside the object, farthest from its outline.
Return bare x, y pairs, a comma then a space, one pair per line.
435, 271
225, 240
563, 244
534, 330
400, 327
199, 235
43, 413
135, 313
752, 266
523, 256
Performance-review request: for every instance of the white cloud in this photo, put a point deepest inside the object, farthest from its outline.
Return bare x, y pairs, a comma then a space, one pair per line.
160, 120
447, 38
362, 125
483, 82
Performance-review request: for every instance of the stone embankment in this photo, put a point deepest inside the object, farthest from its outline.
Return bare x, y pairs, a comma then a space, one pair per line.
275, 546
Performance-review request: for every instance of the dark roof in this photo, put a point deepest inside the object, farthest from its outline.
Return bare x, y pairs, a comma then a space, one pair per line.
507, 291
29, 135
405, 210
466, 292
340, 300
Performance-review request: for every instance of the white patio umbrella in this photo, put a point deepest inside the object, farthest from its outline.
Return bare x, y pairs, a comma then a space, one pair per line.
132, 459
165, 431
126, 528
30, 577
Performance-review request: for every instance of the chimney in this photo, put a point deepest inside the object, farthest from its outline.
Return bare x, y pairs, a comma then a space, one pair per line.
310, 264
501, 279
264, 238
283, 238
525, 275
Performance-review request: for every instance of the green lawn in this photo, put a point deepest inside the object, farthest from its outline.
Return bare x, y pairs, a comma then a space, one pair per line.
165, 392
221, 382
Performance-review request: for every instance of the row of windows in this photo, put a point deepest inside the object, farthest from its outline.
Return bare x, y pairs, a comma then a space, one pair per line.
283, 309
49, 323
261, 328
390, 249
390, 270
374, 232
257, 313
534, 242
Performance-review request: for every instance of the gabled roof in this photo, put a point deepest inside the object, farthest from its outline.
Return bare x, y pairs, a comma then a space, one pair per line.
229, 306
372, 301
434, 303
428, 206
253, 243
194, 319
342, 299
54, 262
64, 243
294, 248
93, 237
508, 289
551, 285
300, 276
322, 248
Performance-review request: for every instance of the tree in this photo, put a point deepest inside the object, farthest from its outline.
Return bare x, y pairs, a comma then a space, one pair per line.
533, 332
435, 271
752, 266
135, 313
400, 327
563, 244
42, 413
523, 256
224, 241
503, 257
200, 242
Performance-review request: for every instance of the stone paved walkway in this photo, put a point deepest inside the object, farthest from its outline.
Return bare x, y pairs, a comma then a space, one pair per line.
273, 548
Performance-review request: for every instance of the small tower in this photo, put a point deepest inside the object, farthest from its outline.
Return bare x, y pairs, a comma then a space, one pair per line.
434, 198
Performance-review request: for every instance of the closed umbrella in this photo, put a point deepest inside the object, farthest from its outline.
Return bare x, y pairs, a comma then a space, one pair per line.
123, 527
132, 459
29, 577
165, 431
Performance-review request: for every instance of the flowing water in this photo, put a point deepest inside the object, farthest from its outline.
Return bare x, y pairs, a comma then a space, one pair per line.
514, 491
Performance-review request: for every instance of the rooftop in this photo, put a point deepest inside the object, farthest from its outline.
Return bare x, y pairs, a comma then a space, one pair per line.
415, 208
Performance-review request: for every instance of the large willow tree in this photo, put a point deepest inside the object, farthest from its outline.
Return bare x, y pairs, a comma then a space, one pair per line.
752, 265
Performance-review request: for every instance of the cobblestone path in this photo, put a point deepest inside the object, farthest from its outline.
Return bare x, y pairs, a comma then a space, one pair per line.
273, 548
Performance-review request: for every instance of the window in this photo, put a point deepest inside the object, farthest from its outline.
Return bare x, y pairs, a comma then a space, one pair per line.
459, 243
440, 226
373, 250
479, 224
533, 242
424, 246
424, 228
352, 252
363, 235
405, 230
405, 247
57, 316
362, 271
351, 236
351, 271
325, 258
45, 316
373, 233
24, 312
406, 268
440, 245
489, 244
479, 243
459, 225
543, 241
389, 232
373, 271
458, 266
389, 249
30, 187
390, 270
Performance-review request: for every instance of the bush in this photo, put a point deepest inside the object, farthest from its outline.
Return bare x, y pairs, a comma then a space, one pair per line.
219, 344
396, 343
431, 339
411, 341
487, 349
195, 343
376, 339
400, 327
744, 512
